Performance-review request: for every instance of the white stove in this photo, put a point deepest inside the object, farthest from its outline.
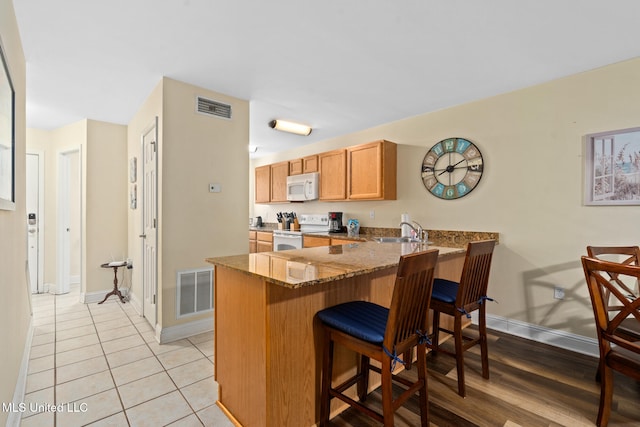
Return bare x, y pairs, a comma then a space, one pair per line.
309, 223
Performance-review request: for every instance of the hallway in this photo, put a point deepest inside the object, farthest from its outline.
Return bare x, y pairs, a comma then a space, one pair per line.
104, 365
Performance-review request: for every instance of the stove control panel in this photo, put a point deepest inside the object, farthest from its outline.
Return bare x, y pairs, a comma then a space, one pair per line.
314, 219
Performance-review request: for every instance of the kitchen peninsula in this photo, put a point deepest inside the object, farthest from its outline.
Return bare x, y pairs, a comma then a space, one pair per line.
268, 348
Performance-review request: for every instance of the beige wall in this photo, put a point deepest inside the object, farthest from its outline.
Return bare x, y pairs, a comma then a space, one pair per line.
105, 197
14, 304
531, 191
194, 150
104, 171
198, 149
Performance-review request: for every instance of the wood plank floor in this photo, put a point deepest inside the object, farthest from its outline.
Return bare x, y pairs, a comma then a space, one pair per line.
531, 384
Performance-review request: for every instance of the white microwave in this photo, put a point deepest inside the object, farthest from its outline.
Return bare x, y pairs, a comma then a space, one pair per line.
303, 187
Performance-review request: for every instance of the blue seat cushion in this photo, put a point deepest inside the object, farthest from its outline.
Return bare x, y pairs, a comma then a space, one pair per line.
445, 290
361, 319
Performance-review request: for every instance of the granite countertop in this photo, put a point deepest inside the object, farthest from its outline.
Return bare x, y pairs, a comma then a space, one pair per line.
447, 238
310, 266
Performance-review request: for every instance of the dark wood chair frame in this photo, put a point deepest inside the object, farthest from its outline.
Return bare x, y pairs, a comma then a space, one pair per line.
632, 254
471, 296
407, 316
624, 356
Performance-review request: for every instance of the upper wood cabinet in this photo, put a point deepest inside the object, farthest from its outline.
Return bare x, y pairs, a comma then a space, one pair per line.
263, 184
371, 171
304, 165
333, 171
279, 174
362, 172
295, 167
310, 164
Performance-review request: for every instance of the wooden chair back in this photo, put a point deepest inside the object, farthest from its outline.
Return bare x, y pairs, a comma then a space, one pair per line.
597, 274
410, 300
626, 255
475, 275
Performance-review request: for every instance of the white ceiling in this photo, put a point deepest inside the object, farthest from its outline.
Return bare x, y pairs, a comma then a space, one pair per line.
337, 65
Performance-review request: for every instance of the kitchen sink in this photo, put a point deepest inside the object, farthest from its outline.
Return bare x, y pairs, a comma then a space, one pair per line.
396, 240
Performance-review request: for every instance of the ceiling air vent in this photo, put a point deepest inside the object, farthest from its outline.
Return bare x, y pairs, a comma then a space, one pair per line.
213, 108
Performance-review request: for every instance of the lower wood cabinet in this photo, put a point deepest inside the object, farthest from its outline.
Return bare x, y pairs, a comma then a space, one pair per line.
315, 241
252, 242
263, 241
338, 241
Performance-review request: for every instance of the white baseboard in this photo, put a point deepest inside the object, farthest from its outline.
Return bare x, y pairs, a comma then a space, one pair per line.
74, 280
554, 337
21, 384
135, 303
174, 333
92, 297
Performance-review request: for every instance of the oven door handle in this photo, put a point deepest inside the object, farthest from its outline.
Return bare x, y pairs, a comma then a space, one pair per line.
284, 236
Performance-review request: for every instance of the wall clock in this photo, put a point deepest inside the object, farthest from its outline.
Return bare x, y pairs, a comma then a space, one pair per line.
452, 168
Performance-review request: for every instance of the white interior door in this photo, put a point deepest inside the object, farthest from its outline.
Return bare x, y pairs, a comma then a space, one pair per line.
35, 197
69, 227
149, 234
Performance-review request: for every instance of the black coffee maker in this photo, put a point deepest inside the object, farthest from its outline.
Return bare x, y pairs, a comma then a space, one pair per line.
335, 222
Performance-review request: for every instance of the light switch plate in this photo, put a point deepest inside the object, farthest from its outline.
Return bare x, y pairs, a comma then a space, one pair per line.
215, 188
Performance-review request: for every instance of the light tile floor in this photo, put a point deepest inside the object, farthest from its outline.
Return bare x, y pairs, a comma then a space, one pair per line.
100, 365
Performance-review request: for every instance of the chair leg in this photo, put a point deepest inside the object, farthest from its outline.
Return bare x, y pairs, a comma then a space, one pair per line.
484, 353
459, 345
363, 382
387, 396
327, 367
424, 390
606, 396
435, 334
407, 358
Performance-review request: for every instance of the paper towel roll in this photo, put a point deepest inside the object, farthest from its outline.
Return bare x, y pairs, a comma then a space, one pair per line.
406, 230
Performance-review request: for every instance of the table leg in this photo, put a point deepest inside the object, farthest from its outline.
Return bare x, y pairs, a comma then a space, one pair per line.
115, 290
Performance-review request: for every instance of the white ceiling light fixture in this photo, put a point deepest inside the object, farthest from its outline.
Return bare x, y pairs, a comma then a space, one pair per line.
291, 127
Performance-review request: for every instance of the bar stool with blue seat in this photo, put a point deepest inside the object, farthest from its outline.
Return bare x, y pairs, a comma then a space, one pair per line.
458, 299
382, 334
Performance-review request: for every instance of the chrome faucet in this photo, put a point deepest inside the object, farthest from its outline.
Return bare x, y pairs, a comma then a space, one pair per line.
421, 234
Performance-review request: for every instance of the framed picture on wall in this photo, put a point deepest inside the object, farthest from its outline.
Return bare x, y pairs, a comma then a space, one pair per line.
133, 196
7, 136
612, 168
133, 169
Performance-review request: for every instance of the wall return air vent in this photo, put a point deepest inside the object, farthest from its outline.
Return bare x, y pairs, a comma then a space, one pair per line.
213, 108
194, 291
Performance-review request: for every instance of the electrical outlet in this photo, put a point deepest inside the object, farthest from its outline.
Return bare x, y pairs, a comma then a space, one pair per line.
558, 292
372, 214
